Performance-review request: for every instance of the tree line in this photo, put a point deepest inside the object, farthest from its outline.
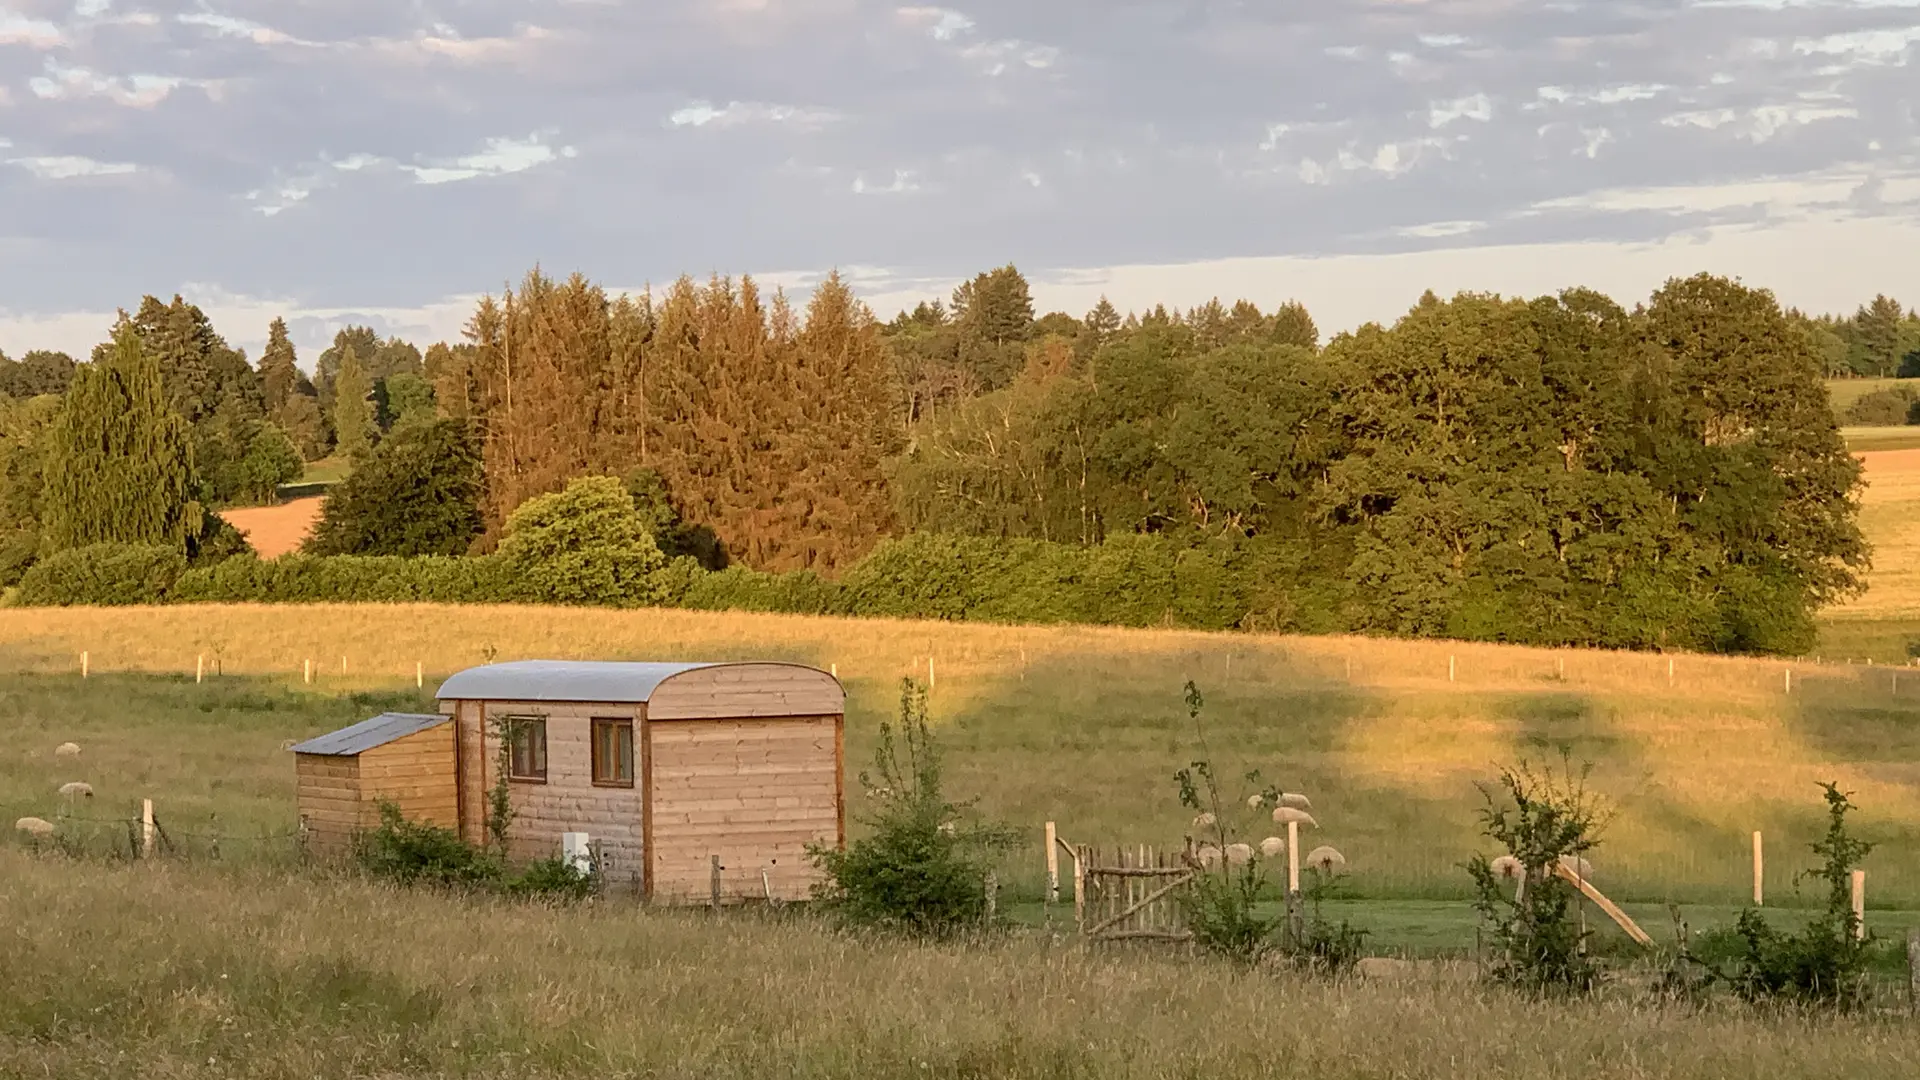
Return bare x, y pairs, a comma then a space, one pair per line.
1560, 469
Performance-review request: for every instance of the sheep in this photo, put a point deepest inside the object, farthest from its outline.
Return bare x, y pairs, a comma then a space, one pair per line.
37, 828
1296, 801
1326, 859
1205, 821
77, 789
1578, 866
1273, 846
1284, 815
67, 749
1207, 855
1506, 866
1239, 854
1254, 802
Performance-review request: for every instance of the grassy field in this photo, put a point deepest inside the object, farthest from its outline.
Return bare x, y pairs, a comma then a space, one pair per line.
172, 971
1081, 726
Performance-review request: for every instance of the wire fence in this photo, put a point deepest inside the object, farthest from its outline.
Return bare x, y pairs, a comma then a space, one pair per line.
137, 836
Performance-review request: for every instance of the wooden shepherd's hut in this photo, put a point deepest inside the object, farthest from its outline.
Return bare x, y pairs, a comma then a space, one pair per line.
663, 767
343, 777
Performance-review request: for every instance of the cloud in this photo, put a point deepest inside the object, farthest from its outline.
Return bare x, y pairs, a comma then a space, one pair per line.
372, 156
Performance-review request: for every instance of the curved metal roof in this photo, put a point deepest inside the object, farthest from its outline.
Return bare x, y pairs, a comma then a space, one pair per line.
367, 734
561, 680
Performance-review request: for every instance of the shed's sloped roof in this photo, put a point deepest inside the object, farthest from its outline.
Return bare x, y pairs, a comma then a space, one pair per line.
561, 680
367, 734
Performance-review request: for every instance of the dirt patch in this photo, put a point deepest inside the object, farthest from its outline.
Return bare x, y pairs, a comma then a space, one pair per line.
277, 530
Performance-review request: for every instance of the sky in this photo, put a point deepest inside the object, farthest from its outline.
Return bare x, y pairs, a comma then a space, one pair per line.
387, 161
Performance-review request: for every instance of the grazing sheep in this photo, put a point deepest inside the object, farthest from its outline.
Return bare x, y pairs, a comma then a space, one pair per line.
1204, 821
1239, 854
1296, 801
1208, 856
1506, 866
77, 789
1283, 815
1254, 801
1326, 859
1273, 846
1578, 866
67, 749
946, 828
37, 828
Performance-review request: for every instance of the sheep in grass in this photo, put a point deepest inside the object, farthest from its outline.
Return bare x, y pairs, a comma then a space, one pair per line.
1255, 802
1506, 866
34, 828
1296, 801
1204, 821
1207, 856
1273, 847
1326, 860
77, 789
1239, 854
1293, 815
67, 749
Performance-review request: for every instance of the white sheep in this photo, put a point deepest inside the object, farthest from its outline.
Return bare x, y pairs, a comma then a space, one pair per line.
67, 749
1283, 815
1273, 847
1296, 801
77, 789
1506, 866
38, 828
1254, 802
1326, 859
1204, 821
1207, 855
1239, 854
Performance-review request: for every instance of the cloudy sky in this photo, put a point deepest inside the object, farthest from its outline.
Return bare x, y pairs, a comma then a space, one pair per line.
387, 160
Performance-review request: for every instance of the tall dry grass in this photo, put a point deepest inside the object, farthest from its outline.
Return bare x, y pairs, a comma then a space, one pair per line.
1081, 726
174, 972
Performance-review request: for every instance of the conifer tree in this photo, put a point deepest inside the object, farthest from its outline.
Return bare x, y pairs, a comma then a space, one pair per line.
1293, 326
120, 467
353, 408
279, 372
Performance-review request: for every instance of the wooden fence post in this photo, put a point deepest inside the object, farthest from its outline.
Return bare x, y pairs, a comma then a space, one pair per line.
1080, 887
1759, 871
992, 886
307, 672
1859, 904
1053, 864
199, 667
1449, 669
146, 828
929, 672
1293, 857
713, 883
83, 663
419, 674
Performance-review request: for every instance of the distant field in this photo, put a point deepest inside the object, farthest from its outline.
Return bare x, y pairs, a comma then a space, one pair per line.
1844, 392
1079, 725
276, 530
1869, 439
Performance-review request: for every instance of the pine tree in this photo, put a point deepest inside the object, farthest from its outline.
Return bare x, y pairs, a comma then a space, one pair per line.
353, 408
993, 315
1293, 326
120, 467
279, 371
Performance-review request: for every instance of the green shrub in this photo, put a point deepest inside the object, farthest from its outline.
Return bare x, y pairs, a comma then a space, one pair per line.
551, 879
799, 592
583, 545
1825, 963
922, 867
102, 574
1541, 817
1881, 408
417, 493
416, 853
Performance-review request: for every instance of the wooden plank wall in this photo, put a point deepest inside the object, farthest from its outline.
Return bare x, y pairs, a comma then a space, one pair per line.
329, 799
417, 773
471, 769
569, 802
753, 792
730, 691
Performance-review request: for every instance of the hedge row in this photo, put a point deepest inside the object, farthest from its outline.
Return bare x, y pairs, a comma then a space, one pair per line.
1133, 581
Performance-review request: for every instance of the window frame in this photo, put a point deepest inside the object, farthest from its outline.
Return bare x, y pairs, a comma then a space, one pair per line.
512, 727
618, 723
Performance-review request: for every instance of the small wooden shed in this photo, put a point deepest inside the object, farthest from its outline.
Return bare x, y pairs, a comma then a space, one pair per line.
663, 767
404, 758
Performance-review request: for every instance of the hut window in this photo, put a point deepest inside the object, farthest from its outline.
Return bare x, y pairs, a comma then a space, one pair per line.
613, 753
527, 749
